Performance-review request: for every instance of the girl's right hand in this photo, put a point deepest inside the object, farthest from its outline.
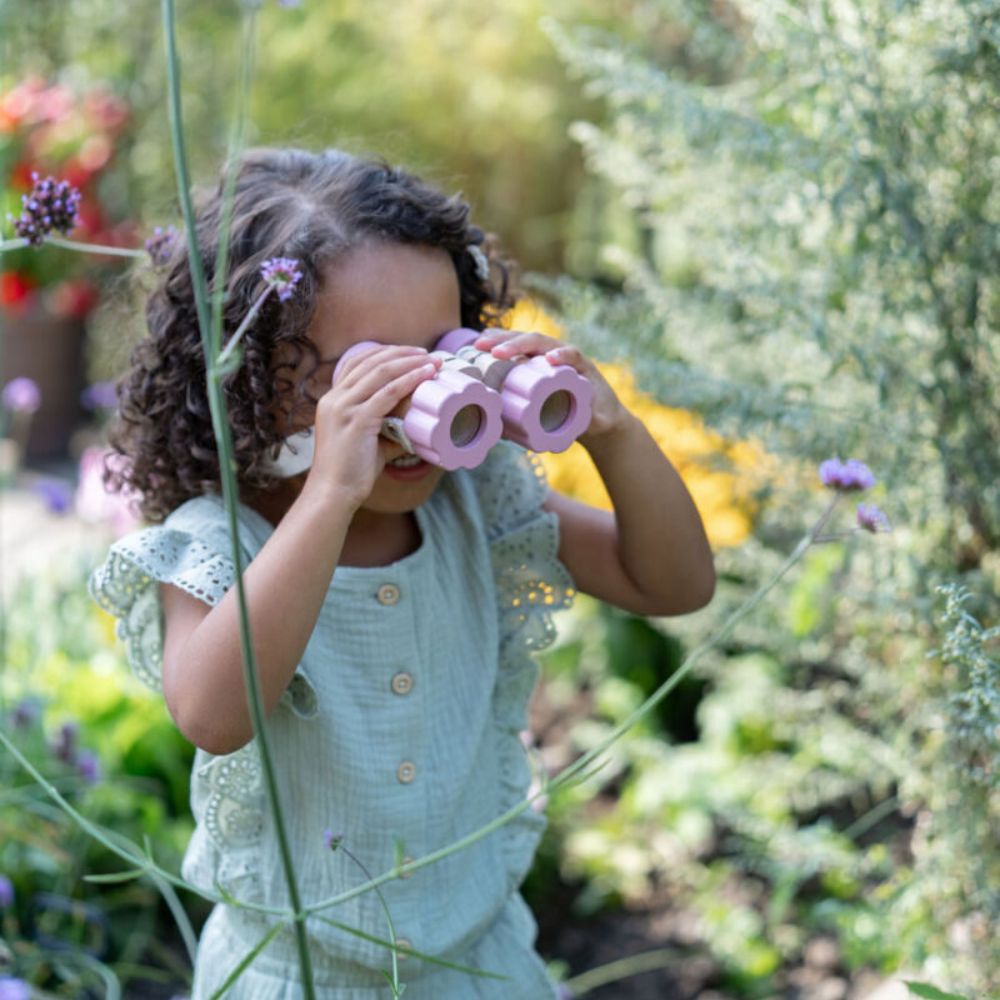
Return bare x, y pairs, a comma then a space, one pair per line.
349, 454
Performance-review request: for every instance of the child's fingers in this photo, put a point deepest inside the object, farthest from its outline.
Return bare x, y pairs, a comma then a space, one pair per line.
566, 354
359, 365
374, 371
522, 343
385, 399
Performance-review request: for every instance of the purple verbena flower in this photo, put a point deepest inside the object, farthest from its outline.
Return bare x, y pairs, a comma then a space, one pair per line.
25, 713
14, 989
99, 396
872, 519
283, 274
846, 476
6, 892
50, 205
88, 765
161, 244
65, 744
57, 494
332, 840
21, 395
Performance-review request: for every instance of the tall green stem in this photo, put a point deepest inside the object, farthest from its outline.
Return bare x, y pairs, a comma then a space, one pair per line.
210, 325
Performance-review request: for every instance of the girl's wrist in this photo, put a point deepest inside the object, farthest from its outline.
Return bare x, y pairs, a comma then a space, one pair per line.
613, 436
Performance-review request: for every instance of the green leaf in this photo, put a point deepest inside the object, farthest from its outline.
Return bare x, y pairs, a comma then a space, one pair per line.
931, 992
247, 959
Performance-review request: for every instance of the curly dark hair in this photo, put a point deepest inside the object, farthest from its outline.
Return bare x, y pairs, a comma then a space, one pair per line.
314, 207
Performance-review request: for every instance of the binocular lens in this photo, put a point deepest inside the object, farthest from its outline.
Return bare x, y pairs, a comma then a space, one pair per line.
466, 425
556, 410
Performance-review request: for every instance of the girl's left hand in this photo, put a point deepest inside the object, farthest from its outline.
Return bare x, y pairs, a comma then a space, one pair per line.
608, 414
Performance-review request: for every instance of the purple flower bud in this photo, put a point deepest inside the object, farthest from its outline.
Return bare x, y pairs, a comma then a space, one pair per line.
25, 713
846, 476
57, 494
65, 744
161, 244
872, 519
283, 274
50, 205
21, 395
6, 892
99, 396
332, 840
88, 764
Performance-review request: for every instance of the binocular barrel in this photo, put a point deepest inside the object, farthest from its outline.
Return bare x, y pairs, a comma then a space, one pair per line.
455, 418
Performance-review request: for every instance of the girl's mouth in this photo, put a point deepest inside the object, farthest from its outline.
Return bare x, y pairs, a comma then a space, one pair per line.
407, 468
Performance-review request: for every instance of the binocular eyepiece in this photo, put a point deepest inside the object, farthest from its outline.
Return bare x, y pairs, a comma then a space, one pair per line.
453, 419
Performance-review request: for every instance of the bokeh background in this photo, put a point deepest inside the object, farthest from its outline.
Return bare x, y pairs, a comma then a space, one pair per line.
775, 225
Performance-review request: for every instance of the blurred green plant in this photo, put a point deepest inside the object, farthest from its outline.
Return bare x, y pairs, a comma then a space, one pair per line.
804, 224
109, 747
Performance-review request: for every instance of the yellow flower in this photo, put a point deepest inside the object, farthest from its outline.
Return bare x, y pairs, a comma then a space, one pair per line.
720, 474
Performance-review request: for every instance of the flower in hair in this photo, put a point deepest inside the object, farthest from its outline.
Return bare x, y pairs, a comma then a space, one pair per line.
49, 205
282, 274
846, 476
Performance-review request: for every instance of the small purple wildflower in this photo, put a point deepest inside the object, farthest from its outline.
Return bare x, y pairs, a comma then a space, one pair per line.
21, 395
563, 992
332, 840
6, 892
65, 745
14, 989
49, 205
283, 274
57, 494
88, 764
846, 476
99, 396
25, 713
161, 244
872, 519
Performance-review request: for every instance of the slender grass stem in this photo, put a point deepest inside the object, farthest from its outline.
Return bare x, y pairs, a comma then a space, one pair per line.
234, 340
208, 323
622, 968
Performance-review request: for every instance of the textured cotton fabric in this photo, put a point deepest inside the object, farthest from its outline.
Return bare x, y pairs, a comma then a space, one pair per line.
399, 733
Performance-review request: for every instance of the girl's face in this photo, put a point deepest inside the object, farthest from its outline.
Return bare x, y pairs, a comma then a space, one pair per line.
392, 293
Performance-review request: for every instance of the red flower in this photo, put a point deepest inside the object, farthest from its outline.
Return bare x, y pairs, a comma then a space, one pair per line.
16, 291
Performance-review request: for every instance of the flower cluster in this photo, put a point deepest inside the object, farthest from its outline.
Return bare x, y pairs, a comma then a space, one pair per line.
54, 131
282, 274
846, 477
49, 205
65, 747
853, 476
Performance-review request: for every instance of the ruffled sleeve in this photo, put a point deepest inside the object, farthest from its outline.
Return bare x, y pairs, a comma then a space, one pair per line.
531, 583
191, 550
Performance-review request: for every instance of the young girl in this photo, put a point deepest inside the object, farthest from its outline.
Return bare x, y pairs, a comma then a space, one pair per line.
394, 607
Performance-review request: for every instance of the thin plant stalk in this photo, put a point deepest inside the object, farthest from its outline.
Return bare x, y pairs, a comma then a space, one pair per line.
227, 462
234, 340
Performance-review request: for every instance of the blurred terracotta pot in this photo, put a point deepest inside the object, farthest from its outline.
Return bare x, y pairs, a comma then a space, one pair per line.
49, 350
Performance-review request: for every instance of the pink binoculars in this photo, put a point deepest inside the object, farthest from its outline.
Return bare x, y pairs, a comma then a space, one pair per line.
455, 418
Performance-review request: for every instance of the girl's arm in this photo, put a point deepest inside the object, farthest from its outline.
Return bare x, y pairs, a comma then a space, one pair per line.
650, 556
288, 580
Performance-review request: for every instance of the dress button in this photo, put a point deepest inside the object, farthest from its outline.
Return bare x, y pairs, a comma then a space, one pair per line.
388, 593
402, 683
402, 865
403, 943
406, 772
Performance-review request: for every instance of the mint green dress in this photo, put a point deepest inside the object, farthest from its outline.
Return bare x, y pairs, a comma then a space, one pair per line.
399, 733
